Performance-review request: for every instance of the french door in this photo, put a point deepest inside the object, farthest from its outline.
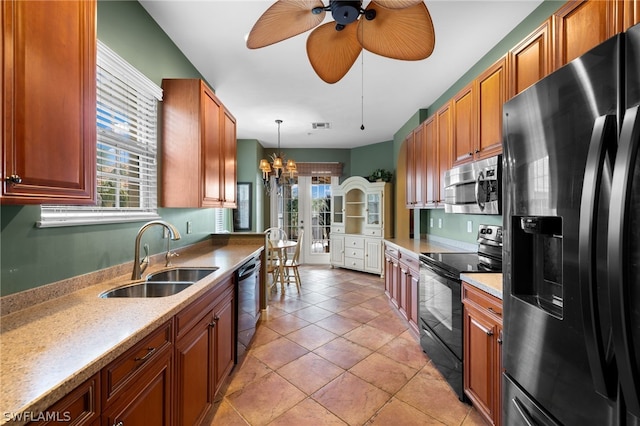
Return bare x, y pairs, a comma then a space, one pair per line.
304, 202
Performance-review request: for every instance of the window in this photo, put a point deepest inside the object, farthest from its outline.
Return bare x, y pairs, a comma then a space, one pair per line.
127, 139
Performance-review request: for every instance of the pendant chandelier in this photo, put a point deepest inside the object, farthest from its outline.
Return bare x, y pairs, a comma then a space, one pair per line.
276, 168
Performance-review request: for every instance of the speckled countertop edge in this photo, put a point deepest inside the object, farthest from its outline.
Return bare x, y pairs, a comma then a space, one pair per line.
488, 282
48, 349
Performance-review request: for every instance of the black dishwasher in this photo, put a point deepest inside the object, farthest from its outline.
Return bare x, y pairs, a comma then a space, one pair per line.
248, 303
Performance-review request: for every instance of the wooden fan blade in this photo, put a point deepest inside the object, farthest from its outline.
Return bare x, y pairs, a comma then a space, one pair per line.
397, 4
283, 20
405, 34
331, 52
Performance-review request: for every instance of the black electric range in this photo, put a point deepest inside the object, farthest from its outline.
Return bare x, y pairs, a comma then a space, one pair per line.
440, 302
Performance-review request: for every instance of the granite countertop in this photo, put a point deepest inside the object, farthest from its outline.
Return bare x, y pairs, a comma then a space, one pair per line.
52, 347
488, 282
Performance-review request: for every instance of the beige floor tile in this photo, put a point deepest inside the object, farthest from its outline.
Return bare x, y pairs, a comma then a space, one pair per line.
334, 305
354, 297
342, 352
308, 413
286, 324
351, 398
311, 336
251, 370
383, 372
406, 352
265, 399
369, 337
399, 413
225, 415
313, 313
310, 372
263, 336
391, 322
279, 352
338, 324
434, 397
359, 313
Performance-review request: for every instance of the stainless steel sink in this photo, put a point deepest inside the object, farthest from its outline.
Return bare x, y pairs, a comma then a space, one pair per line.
161, 283
147, 289
181, 274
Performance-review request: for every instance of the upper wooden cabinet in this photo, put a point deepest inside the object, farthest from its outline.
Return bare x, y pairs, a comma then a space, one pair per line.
630, 14
531, 59
430, 142
491, 91
463, 108
581, 25
443, 136
198, 147
477, 115
49, 102
416, 168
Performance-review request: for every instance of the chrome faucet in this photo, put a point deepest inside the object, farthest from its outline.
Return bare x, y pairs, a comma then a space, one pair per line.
140, 266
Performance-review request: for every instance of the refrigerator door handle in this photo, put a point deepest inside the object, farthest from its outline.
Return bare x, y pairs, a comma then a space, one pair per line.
617, 255
604, 128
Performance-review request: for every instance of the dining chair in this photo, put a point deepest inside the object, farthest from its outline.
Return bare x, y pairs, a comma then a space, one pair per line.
272, 235
291, 273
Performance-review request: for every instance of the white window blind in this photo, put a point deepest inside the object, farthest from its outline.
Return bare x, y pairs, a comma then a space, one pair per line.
127, 136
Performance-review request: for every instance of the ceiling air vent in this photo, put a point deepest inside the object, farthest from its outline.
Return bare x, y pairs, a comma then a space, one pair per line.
321, 125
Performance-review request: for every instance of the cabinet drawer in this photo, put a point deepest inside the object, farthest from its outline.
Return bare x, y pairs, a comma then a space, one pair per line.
353, 242
358, 253
373, 232
481, 300
412, 262
391, 251
354, 263
337, 230
117, 376
191, 315
80, 407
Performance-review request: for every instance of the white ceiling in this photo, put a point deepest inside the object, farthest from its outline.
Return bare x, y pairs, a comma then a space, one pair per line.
277, 81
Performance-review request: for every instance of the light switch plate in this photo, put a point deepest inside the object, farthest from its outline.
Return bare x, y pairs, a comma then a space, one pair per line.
439, 222
469, 226
189, 227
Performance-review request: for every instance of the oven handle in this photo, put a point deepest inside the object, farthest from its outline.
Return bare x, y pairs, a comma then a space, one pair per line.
439, 272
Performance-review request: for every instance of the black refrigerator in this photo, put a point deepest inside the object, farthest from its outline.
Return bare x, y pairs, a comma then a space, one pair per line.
571, 249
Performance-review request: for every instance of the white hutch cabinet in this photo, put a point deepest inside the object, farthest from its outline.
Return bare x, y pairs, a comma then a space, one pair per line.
361, 217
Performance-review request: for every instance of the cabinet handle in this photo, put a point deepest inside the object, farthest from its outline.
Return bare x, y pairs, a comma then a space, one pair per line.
477, 151
471, 154
13, 179
150, 352
216, 318
500, 338
489, 332
494, 311
120, 423
212, 324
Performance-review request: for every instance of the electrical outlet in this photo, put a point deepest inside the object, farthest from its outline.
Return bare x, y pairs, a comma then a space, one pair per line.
189, 227
440, 223
431, 222
469, 226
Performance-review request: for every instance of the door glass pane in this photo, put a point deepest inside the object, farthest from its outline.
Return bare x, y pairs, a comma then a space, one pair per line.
289, 208
320, 213
373, 209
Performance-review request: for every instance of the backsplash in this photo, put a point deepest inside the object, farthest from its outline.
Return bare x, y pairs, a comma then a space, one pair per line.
454, 226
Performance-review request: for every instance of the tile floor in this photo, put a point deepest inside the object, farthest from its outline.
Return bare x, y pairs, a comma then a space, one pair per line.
337, 354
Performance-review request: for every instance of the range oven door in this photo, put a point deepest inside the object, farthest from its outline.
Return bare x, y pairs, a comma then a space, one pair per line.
440, 306
440, 312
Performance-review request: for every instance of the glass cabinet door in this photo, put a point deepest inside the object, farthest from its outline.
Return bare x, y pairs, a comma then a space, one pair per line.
373, 209
337, 209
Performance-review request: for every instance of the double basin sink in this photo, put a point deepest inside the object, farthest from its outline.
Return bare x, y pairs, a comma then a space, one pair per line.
162, 283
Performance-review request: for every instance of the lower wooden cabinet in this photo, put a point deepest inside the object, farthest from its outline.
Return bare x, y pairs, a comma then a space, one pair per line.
205, 351
401, 279
156, 382
482, 325
80, 407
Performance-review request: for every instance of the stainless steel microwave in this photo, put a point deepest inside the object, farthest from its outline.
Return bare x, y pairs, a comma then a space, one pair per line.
474, 188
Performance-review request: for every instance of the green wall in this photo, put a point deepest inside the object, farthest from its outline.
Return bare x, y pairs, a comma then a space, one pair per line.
30, 256
454, 226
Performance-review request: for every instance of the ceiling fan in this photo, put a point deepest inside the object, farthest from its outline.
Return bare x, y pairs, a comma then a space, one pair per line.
397, 29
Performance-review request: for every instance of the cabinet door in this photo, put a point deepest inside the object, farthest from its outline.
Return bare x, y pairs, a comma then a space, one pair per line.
337, 250
49, 102
531, 59
224, 346
229, 155
148, 401
213, 175
444, 131
80, 407
491, 93
412, 299
581, 25
430, 161
631, 14
194, 372
373, 256
403, 289
390, 257
337, 210
411, 196
463, 126
480, 334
